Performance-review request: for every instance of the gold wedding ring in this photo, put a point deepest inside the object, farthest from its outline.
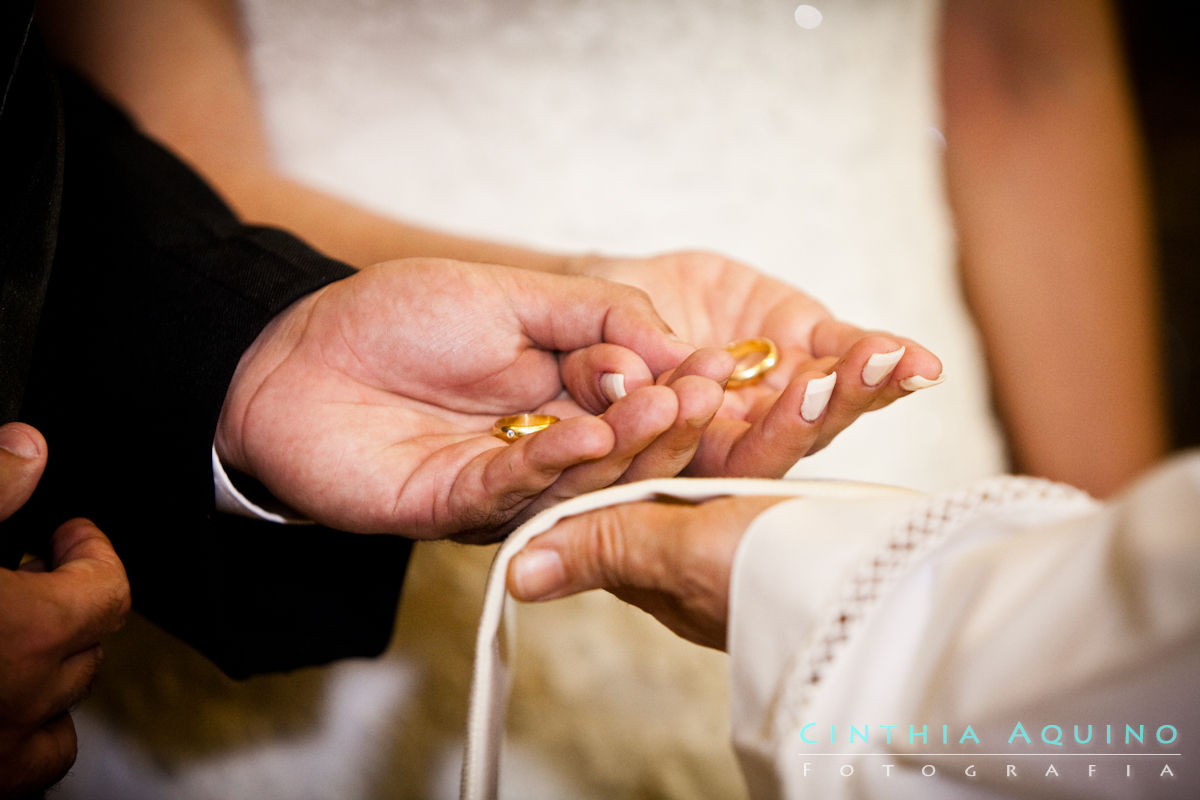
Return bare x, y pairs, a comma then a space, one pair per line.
514, 427
755, 358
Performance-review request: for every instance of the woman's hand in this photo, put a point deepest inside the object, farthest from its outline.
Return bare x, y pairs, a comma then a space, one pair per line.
799, 407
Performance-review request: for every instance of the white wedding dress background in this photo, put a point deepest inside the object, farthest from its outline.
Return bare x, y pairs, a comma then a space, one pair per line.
623, 127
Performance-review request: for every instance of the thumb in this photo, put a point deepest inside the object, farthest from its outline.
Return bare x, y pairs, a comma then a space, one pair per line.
91, 583
611, 548
22, 459
671, 560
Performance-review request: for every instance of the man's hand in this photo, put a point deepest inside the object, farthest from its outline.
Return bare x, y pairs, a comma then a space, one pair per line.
50, 628
368, 405
671, 560
763, 429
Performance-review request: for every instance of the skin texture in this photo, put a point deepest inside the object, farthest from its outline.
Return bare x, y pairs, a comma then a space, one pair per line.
52, 617
1043, 172
368, 405
760, 430
1047, 185
163, 61
672, 560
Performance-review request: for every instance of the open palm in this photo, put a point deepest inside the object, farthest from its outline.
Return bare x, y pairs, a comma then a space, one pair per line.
760, 430
368, 405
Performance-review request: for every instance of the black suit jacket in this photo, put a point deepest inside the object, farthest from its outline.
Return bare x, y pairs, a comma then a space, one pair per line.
136, 292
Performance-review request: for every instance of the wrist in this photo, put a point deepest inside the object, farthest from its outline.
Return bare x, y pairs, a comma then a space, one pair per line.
263, 358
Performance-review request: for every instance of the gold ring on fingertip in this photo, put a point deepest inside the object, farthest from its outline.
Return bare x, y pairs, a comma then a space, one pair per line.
755, 357
513, 427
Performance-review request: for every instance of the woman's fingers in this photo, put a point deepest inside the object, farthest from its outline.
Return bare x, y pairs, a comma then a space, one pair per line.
824, 397
916, 369
772, 440
600, 375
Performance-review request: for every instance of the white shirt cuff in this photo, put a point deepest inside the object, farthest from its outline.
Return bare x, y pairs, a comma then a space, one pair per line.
230, 500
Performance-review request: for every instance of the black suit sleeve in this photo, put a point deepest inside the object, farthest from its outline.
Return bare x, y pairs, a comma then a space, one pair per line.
155, 292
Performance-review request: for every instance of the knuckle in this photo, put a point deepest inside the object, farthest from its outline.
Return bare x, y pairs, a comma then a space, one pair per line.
62, 750
678, 451
120, 604
609, 552
614, 558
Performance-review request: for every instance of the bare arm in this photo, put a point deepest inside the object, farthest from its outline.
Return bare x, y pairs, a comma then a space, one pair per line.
1046, 182
180, 69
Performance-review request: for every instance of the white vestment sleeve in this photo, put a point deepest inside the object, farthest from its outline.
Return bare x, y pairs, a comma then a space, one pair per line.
1014, 639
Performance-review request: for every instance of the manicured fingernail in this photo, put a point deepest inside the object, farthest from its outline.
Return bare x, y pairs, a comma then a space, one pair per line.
816, 397
15, 440
917, 382
612, 386
879, 367
537, 574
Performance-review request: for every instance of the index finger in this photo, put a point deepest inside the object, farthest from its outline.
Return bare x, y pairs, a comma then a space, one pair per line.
569, 312
834, 338
90, 587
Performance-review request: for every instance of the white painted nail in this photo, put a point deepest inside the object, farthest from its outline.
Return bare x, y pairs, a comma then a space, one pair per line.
879, 367
917, 382
612, 386
816, 397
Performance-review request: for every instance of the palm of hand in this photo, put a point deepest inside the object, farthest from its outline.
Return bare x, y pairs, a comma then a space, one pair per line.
710, 300
368, 405
760, 429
